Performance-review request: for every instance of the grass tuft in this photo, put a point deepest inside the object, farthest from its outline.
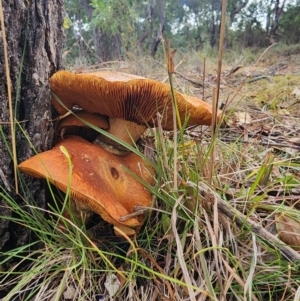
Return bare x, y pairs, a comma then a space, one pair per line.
221, 239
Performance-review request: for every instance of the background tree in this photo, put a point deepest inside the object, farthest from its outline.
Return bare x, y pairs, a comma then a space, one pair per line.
277, 13
34, 43
150, 25
115, 29
110, 21
101, 29
289, 25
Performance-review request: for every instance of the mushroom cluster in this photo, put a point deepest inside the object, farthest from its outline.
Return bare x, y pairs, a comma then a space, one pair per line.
124, 105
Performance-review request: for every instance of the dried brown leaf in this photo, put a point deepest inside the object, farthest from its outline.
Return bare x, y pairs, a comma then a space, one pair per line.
288, 231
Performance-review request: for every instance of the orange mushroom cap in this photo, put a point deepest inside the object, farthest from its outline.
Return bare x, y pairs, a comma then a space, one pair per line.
98, 180
126, 96
72, 125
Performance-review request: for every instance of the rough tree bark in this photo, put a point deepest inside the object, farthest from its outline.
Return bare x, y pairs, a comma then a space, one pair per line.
33, 31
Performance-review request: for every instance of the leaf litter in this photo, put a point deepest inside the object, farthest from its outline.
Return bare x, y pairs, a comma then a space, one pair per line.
256, 184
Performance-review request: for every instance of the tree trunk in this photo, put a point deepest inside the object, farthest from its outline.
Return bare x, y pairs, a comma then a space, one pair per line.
107, 46
235, 9
275, 24
161, 27
34, 36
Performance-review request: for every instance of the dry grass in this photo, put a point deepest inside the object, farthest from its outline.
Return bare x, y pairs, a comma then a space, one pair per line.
189, 248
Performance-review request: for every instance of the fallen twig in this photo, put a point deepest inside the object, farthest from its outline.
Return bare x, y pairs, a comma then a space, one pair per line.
242, 221
4, 180
266, 143
260, 77
194, 82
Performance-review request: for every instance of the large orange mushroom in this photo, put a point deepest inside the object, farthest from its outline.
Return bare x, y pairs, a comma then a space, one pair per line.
131, 102
99, 181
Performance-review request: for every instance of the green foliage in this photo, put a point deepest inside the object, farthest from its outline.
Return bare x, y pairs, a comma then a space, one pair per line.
132, 26
290, 25
67, 23
114, 16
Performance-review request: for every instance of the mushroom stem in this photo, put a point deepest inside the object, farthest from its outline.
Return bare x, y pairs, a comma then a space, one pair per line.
124, 130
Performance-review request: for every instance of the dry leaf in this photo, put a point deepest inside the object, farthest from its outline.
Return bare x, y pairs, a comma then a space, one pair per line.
288, 231
69, 293
296, 92
121, 277
240, 118
295, 140
243, 118
112, 284
283, 112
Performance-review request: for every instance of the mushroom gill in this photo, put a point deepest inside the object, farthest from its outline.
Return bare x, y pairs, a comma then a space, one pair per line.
126, 97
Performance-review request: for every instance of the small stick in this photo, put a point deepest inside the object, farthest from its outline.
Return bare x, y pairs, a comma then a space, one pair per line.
242, 221
138, 211
213, 129
204, 71
220, 55
4, 180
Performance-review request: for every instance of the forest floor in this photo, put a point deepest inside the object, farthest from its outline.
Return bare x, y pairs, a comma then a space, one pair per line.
256, 168
235, 237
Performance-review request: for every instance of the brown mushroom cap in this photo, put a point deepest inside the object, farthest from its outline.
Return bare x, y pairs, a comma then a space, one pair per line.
72, 125
126, 96
99, 180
